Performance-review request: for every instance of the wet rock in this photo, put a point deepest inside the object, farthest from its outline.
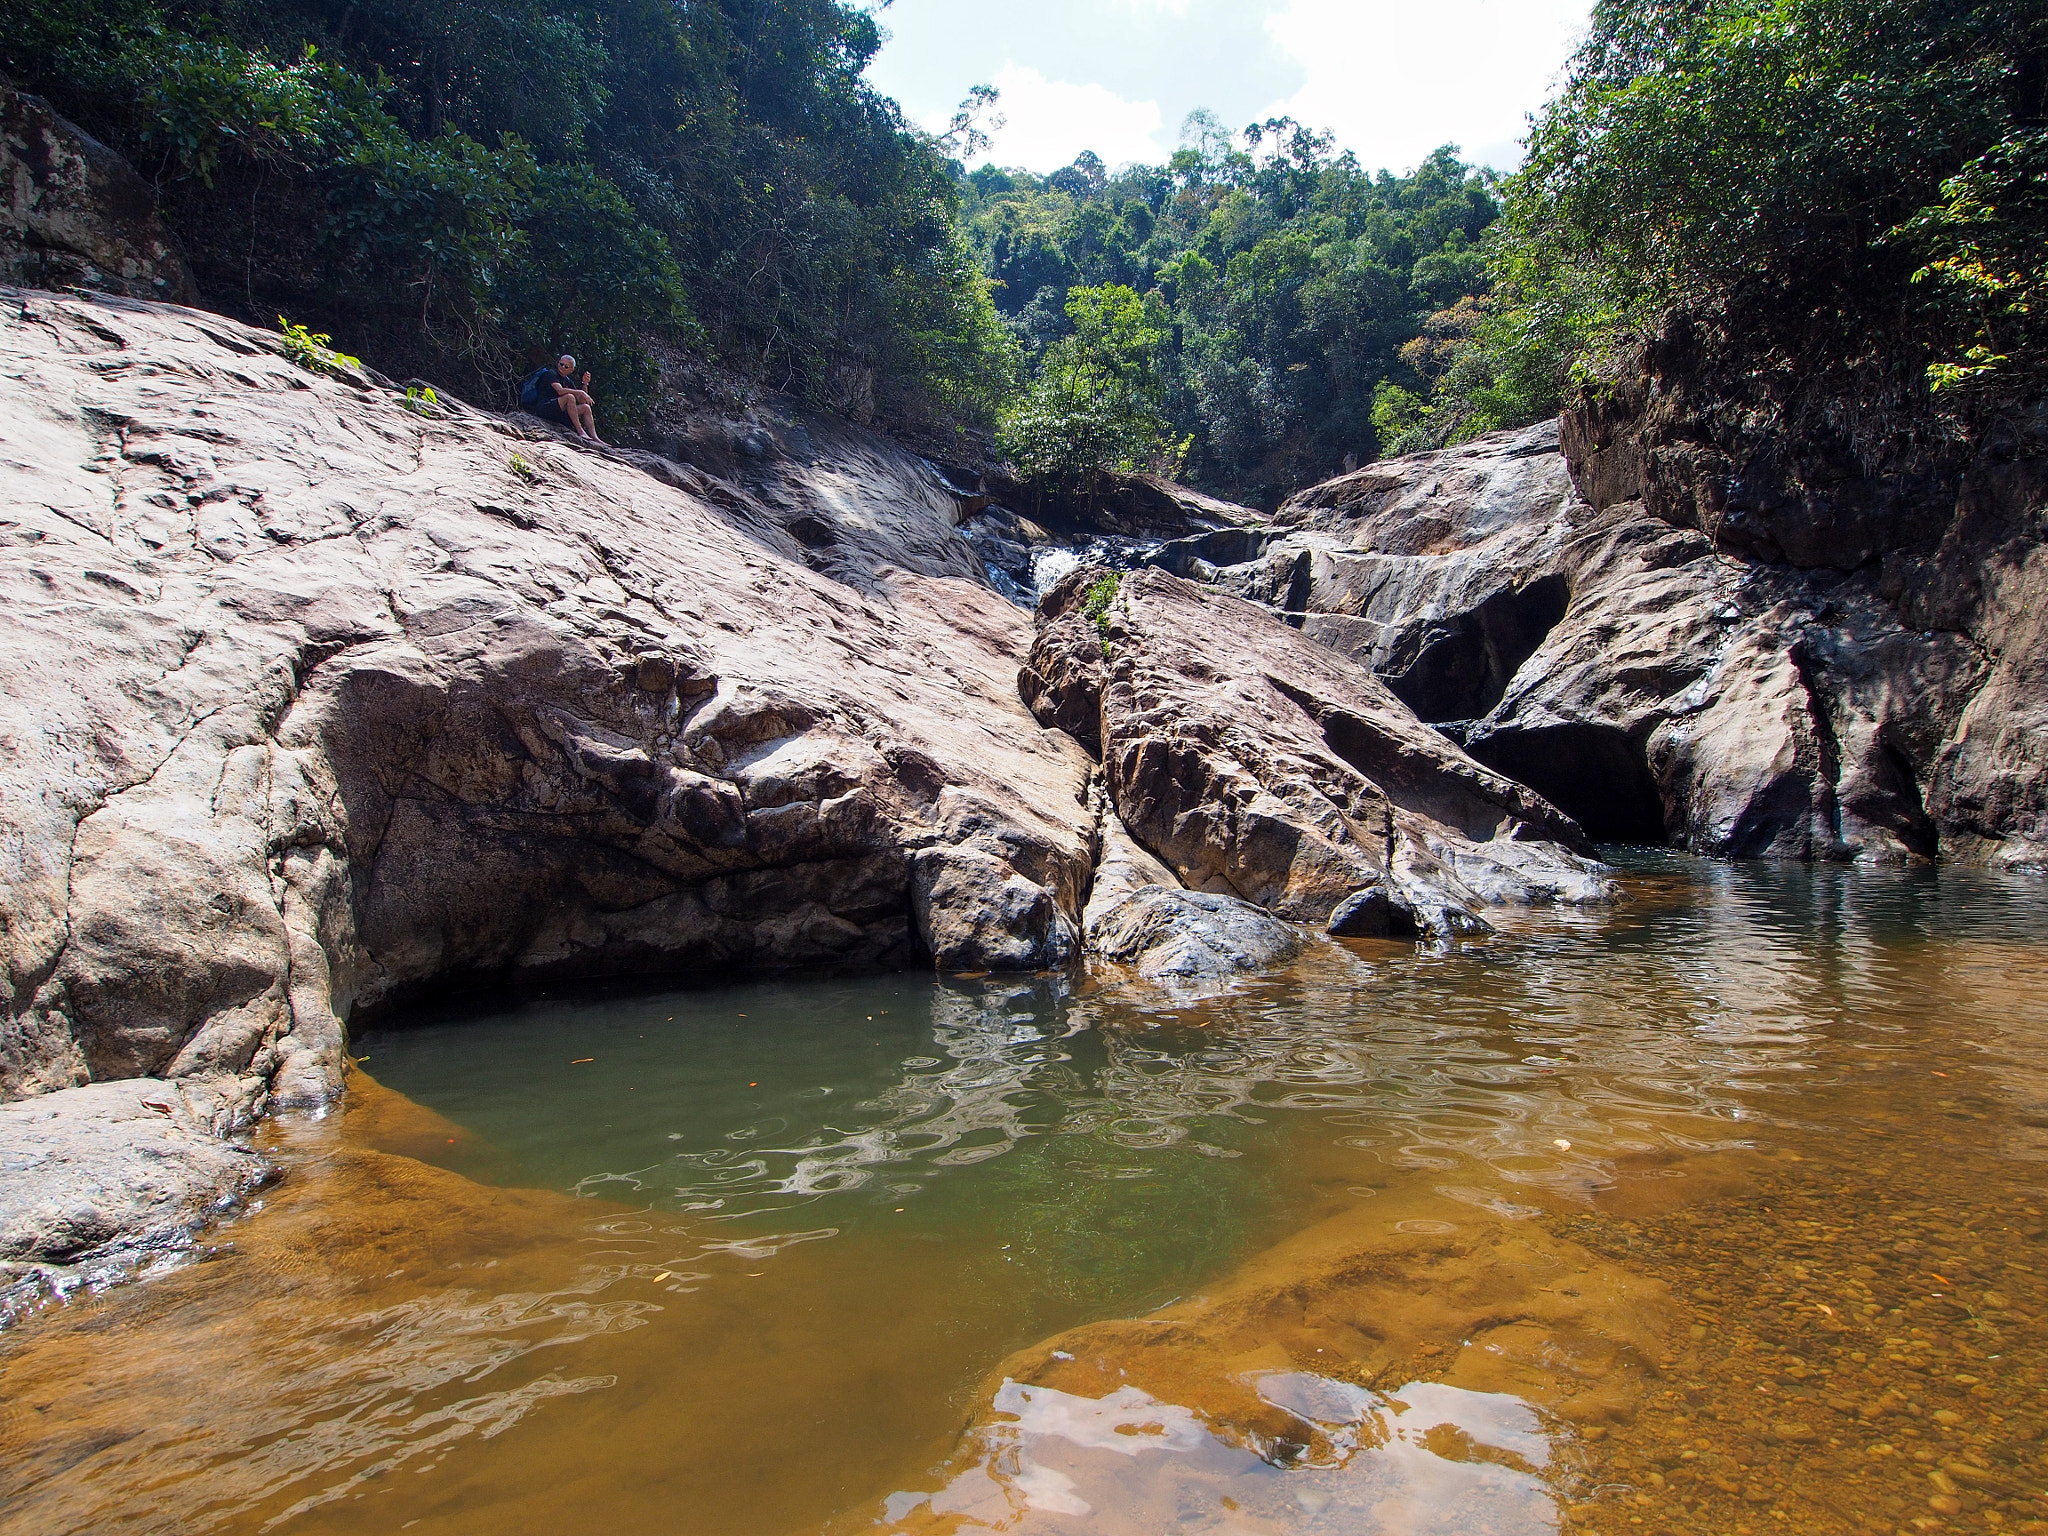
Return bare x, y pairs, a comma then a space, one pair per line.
94, 1179
308, 702
1371, 914
1268, 1356
1168, 526
1140, 915
75, 214
1256, 763
1926, 657
977, 914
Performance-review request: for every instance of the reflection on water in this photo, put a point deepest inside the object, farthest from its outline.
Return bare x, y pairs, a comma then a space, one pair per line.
1428, 1460
1720, 1208
969, 1103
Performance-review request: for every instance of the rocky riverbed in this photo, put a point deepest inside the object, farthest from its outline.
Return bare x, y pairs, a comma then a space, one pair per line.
1835, 1320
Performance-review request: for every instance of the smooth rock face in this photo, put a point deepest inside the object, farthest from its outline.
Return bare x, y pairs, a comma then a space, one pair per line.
1138, 914
74, 214
1256, 763
1660, 687
308, 700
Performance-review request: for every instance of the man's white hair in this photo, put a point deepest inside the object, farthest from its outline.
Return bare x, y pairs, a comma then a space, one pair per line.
566, 358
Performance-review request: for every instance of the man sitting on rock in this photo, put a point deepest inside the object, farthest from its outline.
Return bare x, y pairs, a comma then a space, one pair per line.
555, 394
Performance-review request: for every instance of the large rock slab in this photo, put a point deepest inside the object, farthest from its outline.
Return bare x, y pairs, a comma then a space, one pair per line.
309, 700
1257, 763
1663, 687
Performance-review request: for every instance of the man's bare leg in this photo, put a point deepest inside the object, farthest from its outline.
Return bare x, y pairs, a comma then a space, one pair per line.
576, 404
571, 411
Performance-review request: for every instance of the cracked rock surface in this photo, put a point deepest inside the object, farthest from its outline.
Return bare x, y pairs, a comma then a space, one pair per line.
308, 699
1659, 686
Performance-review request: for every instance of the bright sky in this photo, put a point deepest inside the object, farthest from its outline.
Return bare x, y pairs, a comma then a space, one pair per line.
1393, 78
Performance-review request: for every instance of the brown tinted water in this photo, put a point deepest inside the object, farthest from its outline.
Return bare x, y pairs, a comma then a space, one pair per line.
1718, 1213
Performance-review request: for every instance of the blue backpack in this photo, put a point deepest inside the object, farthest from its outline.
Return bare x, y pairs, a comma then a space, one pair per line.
529, 392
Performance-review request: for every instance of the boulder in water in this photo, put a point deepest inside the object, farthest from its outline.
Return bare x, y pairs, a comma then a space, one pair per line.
1256, 763
1140, 915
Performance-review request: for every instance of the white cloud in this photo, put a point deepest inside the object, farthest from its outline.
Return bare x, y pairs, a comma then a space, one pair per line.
1049, 122
1395, 78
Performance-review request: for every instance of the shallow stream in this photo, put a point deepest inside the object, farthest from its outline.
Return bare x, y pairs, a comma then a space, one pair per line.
1720, 1212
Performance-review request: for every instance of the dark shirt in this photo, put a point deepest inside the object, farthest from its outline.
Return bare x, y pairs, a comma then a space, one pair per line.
546, 402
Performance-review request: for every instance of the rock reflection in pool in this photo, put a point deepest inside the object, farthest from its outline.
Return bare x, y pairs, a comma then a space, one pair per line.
1427, 1460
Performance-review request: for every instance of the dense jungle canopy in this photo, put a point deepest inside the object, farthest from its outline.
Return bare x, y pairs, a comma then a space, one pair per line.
1848, 195
462, 184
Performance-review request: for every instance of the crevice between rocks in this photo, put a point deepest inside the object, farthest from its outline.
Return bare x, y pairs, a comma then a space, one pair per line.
1459, 668
1597, 774
1826, 742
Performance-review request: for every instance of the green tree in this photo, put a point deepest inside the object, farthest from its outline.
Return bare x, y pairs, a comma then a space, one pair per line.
1986, 244
1288, 280
1095, 403
456, 187
1836, 195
